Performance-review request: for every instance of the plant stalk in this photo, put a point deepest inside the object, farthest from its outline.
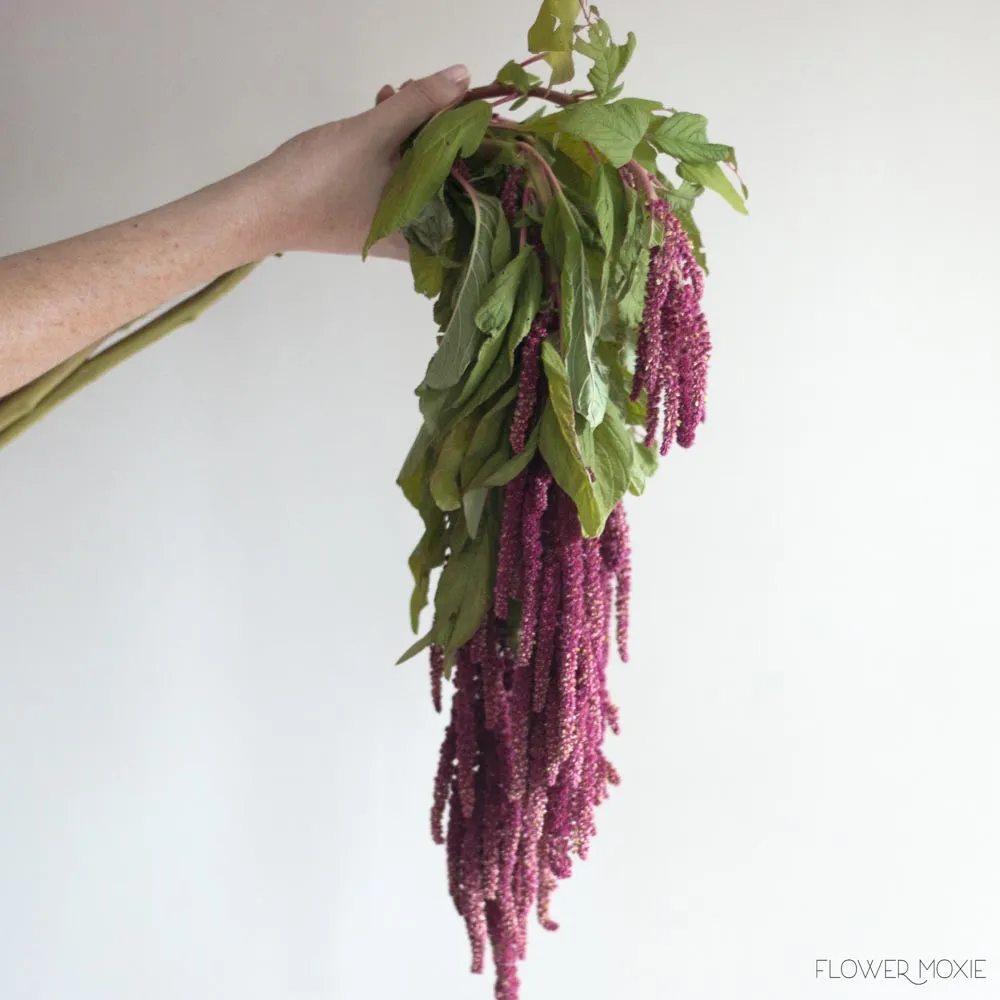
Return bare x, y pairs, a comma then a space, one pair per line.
30, 403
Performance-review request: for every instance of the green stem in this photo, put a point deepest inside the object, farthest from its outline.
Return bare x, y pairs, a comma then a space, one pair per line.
20, 410
22, 401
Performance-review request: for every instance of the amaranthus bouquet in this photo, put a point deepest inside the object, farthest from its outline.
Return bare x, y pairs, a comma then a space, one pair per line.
567, 273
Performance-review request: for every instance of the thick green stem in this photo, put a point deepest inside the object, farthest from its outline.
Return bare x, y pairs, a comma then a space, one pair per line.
30, 403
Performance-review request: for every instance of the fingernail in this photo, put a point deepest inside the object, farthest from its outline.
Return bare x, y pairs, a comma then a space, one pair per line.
457, 74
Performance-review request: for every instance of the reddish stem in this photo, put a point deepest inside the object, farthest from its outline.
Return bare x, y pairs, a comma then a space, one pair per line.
533, 59
525, 196
459, 176
526, 147
641, 175
492, 90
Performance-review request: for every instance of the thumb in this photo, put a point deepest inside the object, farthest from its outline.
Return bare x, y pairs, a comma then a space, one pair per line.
412, 105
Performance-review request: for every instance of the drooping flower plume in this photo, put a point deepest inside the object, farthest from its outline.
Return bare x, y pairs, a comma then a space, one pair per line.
522, 766
573, 353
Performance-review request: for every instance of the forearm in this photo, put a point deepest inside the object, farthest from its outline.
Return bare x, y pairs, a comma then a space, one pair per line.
57, 299
318, 191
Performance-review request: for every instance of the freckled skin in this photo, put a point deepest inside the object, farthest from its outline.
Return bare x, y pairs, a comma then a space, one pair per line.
316, 192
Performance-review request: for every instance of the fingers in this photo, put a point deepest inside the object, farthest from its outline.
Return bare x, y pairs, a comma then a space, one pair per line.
384, 94
410, 106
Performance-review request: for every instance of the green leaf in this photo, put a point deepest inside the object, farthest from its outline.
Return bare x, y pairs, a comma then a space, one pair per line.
465, 589
579, 314
613, 129
595, 497
628, 237
494, 381
428, 554
510, 469
552, 33
609, 59
485, 372
433, 228
633, 301
572, 162
635, 262
529, 301
425, 166
444, 481
500, 295
558, 443
686, 219
585, 438
645, 156
608, 204
418, 647
493, 368
553, 27
473, 502
644, 464
500, 252
710, 175
437, 408
515, 75
604, 182
443, 307
641, 104
562, 66
491, 465
461, 336
684, 136
416, 467
620, 359
428, 271
578, 318
652, 231
486, 438
682, 199
613, 460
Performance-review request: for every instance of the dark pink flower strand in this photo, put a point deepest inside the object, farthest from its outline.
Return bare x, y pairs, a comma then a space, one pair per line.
527, 388
522, 766
510, 193
674, 343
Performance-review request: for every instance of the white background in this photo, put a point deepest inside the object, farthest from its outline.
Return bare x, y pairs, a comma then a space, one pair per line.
214, 783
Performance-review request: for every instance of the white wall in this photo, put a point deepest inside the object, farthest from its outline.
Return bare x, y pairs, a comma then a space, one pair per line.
214, 783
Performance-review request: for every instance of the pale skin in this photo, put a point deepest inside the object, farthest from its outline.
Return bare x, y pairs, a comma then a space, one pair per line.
316, 192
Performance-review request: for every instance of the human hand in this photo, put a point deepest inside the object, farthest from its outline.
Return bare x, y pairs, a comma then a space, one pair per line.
319, 190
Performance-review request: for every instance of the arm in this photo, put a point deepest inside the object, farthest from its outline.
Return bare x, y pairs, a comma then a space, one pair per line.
318, 191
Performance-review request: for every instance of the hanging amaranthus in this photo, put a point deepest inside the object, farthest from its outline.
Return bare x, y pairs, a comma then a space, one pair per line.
567, 273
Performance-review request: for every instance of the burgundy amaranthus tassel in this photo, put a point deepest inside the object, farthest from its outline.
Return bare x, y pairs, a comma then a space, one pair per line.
510, 194
674, 343
522, 765
527, 389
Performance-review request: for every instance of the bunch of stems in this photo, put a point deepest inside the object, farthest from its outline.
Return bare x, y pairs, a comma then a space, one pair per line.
21, 408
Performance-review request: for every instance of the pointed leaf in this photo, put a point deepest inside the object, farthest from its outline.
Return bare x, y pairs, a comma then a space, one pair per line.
710, 175
425, 165
461, 337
